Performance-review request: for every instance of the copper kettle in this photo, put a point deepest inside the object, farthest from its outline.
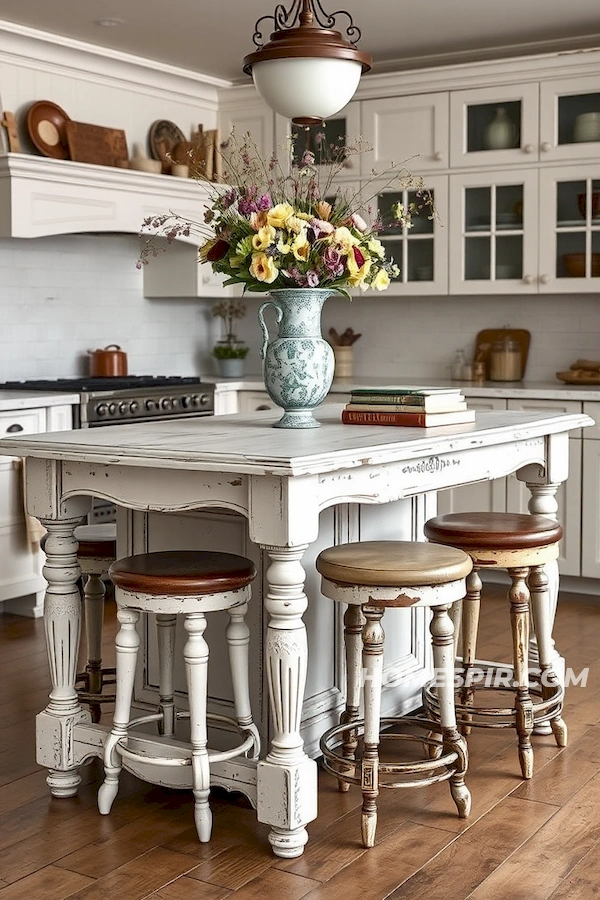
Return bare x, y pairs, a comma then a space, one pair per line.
111, 362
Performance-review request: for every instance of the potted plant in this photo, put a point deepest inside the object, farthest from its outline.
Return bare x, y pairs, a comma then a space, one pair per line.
229, 352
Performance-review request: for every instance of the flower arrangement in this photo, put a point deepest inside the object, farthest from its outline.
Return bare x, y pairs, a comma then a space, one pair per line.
280, 227
229, 348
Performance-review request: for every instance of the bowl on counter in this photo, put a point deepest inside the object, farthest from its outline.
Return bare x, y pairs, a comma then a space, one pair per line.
575, 264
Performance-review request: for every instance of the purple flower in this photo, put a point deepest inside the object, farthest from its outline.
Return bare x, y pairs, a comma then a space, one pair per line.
312, 279
308, 158
265, 202
332, 259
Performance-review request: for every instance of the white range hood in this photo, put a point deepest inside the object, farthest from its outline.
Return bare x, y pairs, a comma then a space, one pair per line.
41, 197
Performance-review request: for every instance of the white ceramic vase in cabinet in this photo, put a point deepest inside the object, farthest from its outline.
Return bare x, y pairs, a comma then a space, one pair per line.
493, 232
410, 131
564, 130
473, 111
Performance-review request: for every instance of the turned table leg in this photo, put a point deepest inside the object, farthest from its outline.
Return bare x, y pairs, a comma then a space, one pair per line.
287, 778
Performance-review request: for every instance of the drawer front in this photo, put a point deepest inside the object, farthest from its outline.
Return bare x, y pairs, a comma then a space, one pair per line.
22, 421
593, 432
559, 406
252, 401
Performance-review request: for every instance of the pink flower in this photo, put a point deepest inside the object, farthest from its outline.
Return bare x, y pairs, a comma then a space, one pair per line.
320, 227
359, 223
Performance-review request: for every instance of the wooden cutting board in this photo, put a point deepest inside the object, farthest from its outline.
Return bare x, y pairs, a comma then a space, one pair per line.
96, 145
486, 338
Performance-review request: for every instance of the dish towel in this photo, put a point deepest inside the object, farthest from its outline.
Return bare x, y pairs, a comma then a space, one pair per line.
35, 529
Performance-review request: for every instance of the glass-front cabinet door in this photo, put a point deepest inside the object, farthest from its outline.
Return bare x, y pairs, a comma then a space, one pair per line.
327, 141
493, 233
570, 229
494, 126
570, 118
419, 251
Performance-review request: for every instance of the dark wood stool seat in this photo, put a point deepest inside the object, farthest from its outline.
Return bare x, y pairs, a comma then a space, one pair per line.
168, 584
522, 544
97, 550
371, 576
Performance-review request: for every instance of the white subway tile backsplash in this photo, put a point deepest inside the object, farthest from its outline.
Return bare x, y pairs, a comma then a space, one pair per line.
60, 297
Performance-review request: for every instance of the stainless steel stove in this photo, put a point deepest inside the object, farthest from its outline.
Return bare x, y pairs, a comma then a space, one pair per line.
133, 398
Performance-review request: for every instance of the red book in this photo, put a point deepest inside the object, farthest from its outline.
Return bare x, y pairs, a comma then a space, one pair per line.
408, 419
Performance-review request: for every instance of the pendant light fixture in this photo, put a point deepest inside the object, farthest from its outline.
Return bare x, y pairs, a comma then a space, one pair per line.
306, 71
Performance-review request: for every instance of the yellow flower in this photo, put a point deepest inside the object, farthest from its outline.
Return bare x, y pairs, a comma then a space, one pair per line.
295, 223
376, 248
278, 215
323, 210
357, 273
263, 268
381, 280
301, 247
264, 237
344, 238
283, 244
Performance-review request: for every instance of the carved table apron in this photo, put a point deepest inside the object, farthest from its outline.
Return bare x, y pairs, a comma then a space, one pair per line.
280, 479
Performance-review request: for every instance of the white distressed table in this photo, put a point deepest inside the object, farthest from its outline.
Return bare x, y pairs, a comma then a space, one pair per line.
280, 480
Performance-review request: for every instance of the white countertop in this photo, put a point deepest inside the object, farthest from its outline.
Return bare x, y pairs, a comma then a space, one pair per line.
10, 400
550, 390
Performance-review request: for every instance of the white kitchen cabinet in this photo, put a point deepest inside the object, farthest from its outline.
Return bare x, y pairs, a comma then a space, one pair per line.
493, 232
563, 134
569, 242
177, 272
407, 658
407, 131
590, 537
22, 586
341, 130
245, 113
473, 114
420, 251
253, 401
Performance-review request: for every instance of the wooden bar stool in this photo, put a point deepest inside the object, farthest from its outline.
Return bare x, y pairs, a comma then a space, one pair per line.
522, 544
372, 577
188, 583
97, 550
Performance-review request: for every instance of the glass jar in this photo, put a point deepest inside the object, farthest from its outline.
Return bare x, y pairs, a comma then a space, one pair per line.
505, 360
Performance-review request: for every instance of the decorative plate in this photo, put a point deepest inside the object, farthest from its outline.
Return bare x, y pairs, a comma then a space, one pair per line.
46, 124
162, 137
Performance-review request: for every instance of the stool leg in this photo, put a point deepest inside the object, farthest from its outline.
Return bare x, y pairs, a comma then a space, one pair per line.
470, 627
441, 629
373, 639
196, 670
127, 643
354, 621
540, 608
165, 632
455, 614
518, 595
94, 593
237, 635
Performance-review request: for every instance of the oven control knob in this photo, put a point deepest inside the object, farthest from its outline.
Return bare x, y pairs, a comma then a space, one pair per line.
166, 403
133, 407
102, 409
196, 400
204, 399
150, 405
112, 409
123, 408
186, 401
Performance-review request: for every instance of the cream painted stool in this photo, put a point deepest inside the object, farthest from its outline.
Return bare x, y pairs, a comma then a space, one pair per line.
97, 550
522, 544
191, 584
372, 577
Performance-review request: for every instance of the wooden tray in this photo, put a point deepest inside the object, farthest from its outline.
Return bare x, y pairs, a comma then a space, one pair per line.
576, 378
96, 145
486, 338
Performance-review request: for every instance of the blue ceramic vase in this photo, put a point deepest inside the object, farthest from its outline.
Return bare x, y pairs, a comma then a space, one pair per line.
298, 364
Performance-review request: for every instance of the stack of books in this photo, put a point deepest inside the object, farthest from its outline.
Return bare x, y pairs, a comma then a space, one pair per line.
415, 407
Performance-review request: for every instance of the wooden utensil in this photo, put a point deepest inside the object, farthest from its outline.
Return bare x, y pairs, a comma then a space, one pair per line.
95, 144
486, 338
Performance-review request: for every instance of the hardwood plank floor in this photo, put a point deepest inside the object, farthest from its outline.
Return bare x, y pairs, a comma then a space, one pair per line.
538, 839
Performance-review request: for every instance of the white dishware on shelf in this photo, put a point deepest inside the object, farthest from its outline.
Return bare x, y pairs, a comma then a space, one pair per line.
587, 127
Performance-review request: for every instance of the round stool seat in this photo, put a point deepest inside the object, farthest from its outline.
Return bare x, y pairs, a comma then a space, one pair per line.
392, 564
498, 531
97, 541
182, 573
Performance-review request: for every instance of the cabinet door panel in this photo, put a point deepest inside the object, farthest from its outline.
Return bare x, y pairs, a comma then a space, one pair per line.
411, 131
590, 540
570, 118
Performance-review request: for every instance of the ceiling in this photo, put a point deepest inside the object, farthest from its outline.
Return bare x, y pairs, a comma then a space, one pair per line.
212, 36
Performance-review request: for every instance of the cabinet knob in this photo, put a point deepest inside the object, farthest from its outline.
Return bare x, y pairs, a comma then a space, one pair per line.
528, 148
544, 279
528, 279
545, 146
438, 156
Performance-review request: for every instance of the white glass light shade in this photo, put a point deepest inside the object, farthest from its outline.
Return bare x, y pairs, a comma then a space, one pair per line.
306, 87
